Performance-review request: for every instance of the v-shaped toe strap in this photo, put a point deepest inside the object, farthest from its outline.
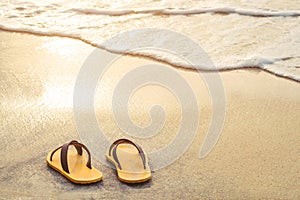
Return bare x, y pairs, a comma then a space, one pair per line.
114, 146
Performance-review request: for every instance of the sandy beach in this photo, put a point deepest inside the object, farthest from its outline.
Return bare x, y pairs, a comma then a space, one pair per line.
256, 157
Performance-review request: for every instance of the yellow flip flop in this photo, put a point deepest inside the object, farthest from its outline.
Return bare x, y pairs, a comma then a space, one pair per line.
72, 164
130, 161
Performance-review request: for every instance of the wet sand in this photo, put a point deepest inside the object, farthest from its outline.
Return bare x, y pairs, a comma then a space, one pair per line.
257, 155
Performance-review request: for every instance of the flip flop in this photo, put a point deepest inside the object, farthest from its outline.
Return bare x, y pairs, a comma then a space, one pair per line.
130, 161
72, 164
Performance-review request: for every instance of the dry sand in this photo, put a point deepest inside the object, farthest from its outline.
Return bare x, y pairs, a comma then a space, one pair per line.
257, 155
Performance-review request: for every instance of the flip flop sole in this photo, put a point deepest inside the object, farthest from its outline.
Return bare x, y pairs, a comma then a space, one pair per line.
79, 172
132, 168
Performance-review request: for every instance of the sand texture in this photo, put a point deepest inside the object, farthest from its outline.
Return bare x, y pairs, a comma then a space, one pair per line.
256, 157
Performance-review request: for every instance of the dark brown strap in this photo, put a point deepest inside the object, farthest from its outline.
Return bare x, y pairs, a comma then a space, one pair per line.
64, 154
122, 141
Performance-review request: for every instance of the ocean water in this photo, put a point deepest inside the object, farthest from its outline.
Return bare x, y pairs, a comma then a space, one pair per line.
235, 34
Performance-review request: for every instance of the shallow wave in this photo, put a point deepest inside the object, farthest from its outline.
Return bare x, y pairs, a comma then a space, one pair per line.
235, 38
163, 11
253, 62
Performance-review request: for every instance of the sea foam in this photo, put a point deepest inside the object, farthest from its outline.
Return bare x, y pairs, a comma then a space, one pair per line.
234, 37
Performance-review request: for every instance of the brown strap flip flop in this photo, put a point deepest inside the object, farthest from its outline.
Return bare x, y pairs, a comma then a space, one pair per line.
130, 161
72, 164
